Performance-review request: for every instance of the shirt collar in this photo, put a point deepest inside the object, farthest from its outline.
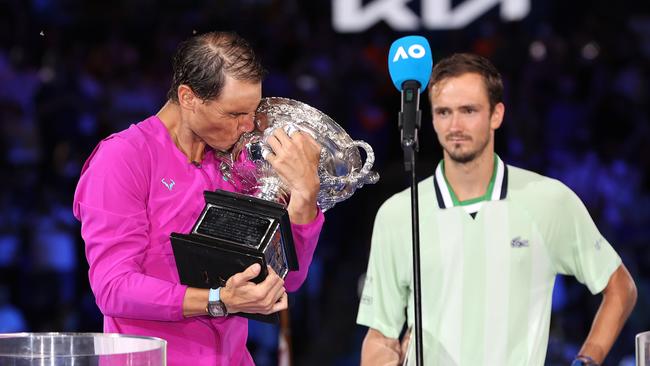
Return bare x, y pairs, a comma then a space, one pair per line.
498, 184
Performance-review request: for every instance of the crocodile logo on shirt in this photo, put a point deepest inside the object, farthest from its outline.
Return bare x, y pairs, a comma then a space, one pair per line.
518, 242
168, 185
599, 243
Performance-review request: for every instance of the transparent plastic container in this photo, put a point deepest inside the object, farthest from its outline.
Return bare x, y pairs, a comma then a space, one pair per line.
81, 349
643, 349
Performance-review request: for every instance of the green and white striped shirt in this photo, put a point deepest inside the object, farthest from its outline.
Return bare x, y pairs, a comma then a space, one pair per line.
487, 280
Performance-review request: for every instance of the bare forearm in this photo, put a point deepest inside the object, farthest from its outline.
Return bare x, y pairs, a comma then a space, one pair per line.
618, 301
604, 331
379, 350
195, 302
302, 208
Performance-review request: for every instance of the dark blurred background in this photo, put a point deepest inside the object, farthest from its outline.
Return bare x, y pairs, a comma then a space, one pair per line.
72, 72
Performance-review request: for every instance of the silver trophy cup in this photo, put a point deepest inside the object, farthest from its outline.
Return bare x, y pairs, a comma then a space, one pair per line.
340, 168
236, 230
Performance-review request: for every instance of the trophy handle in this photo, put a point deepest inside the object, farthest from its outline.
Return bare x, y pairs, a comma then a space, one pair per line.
365, 175
355, 179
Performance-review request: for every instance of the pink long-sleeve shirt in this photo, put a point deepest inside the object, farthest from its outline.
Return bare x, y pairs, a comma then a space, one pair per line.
135, 189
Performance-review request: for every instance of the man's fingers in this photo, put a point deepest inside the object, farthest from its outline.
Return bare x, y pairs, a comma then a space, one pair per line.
271, 299
311, 141
267, 153
248, 274
269, 156
282, 304
270, 289
314, 143
252, 271
306, 143
271, 270
275, 144
271, 281
281, 136
278, 293
265, 297
299, 136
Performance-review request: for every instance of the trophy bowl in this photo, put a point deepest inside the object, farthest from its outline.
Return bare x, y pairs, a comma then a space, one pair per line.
340, 169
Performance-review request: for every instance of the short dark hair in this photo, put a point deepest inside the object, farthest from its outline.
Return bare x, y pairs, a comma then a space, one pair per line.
462, 63
203, 61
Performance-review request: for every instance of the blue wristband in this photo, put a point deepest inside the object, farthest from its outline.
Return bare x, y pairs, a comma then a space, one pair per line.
214, 294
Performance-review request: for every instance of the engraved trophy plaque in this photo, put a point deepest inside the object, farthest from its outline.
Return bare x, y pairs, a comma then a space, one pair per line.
236, 230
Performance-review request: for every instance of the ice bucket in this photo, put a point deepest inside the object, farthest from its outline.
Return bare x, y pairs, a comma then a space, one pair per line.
81, 349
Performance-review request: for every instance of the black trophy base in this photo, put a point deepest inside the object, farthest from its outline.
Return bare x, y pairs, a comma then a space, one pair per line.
233, 232
203, 265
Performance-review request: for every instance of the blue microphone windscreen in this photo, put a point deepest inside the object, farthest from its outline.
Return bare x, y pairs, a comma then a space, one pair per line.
410, 58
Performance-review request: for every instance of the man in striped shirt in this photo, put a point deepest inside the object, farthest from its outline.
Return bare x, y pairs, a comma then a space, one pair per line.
493, 238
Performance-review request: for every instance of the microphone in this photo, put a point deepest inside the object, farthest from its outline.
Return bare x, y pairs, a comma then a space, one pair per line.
409, 65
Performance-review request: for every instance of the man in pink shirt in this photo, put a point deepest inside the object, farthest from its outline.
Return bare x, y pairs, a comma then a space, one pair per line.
147, 181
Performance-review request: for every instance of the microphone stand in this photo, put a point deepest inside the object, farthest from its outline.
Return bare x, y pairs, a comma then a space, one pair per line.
410, 117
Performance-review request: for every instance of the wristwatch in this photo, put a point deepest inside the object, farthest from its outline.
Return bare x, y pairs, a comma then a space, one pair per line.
216, 307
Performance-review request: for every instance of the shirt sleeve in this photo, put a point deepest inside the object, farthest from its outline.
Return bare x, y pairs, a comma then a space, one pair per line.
111, 203
305, 238
385, 293
576, 245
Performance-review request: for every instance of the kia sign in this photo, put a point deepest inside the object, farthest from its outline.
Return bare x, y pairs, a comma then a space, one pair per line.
353, 16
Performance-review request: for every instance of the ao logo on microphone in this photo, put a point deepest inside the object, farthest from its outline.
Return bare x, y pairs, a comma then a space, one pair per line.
409, 58
414, 51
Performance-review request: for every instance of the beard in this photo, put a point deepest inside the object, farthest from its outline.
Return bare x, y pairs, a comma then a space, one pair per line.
464, 156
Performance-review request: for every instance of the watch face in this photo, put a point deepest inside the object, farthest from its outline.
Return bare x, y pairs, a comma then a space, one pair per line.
217, 308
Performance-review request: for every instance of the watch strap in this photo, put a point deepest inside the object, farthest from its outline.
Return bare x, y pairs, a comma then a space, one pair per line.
214, 294
216, 307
